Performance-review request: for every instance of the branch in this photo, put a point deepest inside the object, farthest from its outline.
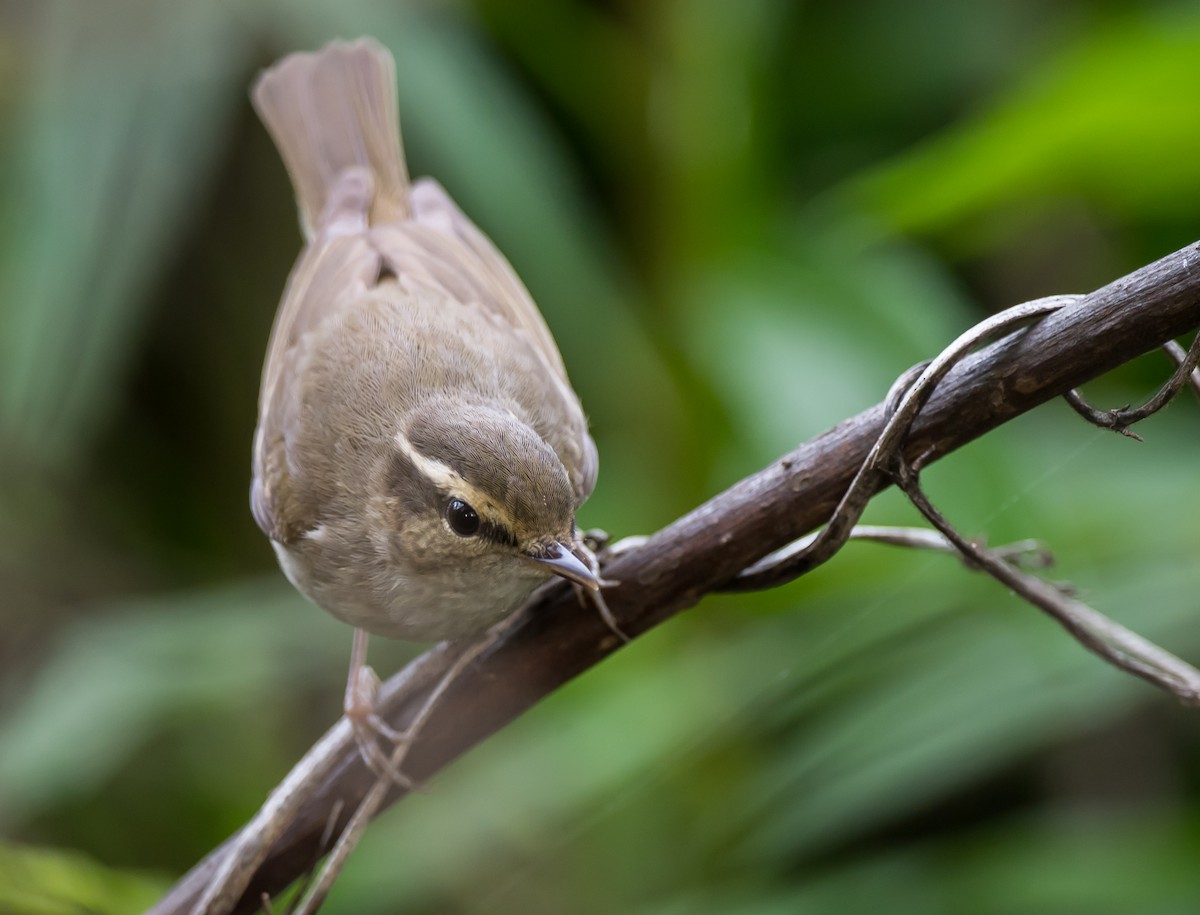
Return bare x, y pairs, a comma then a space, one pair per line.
552, 640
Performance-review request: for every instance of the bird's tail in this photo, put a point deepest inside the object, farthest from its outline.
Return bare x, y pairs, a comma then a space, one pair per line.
333, 116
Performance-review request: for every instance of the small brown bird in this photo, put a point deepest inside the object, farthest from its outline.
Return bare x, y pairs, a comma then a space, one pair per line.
420, 453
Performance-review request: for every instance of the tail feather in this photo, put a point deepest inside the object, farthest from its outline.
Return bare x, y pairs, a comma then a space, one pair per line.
333, 113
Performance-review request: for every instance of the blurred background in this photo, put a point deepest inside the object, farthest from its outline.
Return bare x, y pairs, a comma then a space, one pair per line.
742, 221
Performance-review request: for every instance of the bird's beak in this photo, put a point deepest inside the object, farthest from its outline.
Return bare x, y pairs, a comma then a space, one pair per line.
567, 562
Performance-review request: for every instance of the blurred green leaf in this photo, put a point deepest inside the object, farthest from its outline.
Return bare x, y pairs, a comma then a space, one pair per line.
795, 341
116, 679
35, 881
1107, 120
107, 154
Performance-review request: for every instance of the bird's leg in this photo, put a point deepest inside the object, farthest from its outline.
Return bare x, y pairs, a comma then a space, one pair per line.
362, 688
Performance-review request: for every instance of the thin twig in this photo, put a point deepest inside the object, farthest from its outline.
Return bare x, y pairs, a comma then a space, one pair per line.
1105, 419
1178, 354
1102, 636
302, 885
1119, 420
1024, 553
763, 574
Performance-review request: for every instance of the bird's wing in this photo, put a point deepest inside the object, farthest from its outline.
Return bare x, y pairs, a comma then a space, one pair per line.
331, 270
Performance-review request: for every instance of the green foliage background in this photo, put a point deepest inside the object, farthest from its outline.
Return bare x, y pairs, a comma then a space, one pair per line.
742, 221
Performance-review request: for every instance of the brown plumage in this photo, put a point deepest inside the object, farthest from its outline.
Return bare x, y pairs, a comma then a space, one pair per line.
408, 369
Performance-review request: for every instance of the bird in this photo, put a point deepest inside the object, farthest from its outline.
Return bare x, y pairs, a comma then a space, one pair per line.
420, 453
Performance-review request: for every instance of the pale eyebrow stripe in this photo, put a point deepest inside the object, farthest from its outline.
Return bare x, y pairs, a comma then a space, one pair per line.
441, 475
446, 478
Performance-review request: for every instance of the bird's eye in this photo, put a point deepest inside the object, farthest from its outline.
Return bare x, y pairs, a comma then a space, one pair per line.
463, 519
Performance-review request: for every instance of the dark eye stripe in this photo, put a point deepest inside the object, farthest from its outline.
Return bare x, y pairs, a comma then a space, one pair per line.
495, 532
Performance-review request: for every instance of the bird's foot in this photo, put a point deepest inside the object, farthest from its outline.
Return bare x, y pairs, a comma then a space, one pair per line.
369, 728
